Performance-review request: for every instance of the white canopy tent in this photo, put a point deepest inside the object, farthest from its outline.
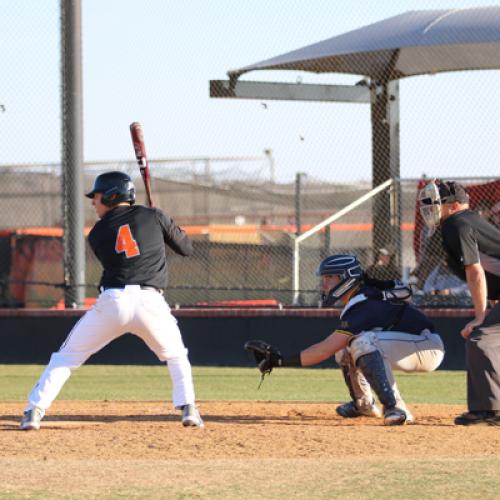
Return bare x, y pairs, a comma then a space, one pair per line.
413, 43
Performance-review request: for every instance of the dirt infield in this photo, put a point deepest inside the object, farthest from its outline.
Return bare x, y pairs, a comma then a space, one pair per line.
82, 429
109, 449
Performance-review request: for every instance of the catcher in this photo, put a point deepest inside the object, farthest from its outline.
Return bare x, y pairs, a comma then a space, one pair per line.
379, 331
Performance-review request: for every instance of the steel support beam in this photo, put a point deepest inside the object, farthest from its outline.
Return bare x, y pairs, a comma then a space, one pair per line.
385, 165
289, 91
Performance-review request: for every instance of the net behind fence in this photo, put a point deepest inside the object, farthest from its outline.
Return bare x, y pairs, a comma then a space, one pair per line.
243, 225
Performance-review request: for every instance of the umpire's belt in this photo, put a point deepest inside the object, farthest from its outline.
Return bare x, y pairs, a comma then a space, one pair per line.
143, 287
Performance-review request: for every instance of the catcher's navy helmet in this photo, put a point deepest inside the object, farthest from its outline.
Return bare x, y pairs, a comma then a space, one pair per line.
116, 187
348, 268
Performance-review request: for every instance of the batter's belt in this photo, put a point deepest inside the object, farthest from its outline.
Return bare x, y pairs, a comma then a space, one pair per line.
143, 287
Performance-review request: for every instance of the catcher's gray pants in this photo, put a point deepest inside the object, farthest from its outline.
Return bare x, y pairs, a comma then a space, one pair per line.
400, 351
482, 357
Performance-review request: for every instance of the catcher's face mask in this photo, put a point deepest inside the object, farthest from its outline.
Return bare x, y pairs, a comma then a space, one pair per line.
430, 205
335, 287
339, 275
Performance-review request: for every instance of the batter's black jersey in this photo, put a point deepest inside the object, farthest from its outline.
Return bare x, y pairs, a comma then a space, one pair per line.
364, 314
129, 241
469, 239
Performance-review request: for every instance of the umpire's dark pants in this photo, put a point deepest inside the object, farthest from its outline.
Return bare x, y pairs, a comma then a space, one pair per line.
482, 355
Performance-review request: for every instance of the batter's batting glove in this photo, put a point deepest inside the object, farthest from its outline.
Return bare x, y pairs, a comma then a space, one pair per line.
266, 356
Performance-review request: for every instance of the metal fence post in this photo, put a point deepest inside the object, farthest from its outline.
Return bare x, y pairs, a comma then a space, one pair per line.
298, 231
298, 203
296, 277
396, 221
72, 154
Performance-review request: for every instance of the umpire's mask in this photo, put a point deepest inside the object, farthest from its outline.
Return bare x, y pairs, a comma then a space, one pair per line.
430, 205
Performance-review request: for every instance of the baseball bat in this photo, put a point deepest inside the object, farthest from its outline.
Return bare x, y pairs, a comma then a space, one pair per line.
142, 158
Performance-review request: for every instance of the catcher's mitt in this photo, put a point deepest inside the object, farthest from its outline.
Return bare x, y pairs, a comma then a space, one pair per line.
266, 356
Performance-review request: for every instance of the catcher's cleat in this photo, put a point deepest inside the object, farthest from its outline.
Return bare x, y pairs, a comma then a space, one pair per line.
478, 418
351, 410
410, 419
191, 416
394, 416
31, 419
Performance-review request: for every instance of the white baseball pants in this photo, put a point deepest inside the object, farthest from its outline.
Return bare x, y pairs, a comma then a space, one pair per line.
142, 312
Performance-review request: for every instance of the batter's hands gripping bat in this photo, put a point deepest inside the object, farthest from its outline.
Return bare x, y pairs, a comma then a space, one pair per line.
142, 159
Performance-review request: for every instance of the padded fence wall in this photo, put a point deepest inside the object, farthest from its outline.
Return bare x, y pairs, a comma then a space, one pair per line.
214, 338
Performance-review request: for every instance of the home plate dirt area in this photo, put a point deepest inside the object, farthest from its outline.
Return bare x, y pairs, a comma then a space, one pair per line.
152, 429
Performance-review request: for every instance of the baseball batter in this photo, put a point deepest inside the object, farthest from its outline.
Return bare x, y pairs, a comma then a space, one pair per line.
129, 241
379, 331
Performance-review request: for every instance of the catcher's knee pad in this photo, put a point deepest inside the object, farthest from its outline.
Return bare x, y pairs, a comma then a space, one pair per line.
359, 389
343, 358
364, 343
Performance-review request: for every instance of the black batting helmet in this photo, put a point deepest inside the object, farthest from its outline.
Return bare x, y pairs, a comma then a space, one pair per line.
116, 187
349, 269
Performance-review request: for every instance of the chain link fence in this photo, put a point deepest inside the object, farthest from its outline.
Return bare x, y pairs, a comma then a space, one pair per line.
243, 225
243, 213
423, 260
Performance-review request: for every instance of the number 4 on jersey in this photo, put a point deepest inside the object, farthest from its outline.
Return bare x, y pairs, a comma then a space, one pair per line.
125, 242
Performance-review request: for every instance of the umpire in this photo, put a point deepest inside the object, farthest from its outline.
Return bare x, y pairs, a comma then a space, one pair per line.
472, 246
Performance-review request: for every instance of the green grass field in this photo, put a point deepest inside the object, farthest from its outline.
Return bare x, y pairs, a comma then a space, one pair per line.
414, 477
96, 382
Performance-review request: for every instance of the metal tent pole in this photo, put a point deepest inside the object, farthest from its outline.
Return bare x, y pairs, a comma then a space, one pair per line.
385, 152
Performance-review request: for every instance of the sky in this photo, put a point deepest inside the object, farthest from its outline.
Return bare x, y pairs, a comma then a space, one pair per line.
151, 61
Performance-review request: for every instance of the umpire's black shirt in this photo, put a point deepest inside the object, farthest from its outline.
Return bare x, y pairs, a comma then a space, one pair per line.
129, 241
468, 239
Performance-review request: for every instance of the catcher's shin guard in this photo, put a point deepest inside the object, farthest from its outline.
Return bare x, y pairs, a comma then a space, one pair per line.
347, 380
373, 368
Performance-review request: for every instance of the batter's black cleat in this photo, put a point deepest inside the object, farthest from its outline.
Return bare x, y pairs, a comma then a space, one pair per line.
351, 410
31, 419
191, 416
478, 418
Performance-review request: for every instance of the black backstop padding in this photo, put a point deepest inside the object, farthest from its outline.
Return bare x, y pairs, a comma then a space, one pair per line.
212, 341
